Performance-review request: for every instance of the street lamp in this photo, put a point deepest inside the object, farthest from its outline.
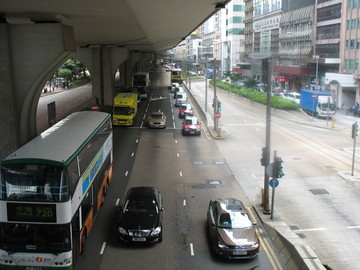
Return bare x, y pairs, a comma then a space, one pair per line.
317, 70
266, 199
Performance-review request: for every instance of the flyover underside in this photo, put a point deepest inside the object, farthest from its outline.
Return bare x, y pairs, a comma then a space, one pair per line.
30, 55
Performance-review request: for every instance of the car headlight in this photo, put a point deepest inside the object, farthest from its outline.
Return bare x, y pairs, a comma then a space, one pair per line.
255, 245
122, 231
221, 245
156, 231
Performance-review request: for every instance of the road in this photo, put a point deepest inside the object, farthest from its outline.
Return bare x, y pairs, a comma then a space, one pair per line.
66, 101
184, 169
312, 199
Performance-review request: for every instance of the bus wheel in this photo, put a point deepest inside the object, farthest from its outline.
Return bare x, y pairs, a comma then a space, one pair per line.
83, 243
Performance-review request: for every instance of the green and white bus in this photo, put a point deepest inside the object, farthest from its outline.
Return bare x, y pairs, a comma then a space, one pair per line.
51, 190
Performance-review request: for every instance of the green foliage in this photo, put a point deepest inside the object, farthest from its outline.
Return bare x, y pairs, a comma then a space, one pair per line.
80, 81
64, 73
257, 96
250, 83
71, 69
236, 77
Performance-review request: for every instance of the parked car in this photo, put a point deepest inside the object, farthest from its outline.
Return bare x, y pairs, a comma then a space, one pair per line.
181, 98
157, 120
280, 95
232, 233
294, 97
191, 126
186, 110
141, 216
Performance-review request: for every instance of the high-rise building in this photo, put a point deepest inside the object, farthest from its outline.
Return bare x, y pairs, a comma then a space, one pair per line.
232, 45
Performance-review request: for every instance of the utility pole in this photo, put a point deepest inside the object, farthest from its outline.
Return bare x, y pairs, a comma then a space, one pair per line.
206, 81
216, 120
266, 205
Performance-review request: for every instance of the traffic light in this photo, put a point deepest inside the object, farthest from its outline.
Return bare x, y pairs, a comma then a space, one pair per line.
218, 105
354, 130
277, 167
263, 159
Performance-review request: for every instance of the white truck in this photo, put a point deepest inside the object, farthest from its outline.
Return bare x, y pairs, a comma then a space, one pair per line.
141, 81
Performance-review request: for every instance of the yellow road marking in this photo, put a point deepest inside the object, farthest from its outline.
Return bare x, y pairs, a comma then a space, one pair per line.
265, 244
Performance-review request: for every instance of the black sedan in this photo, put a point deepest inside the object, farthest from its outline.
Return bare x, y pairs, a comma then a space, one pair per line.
141, 216
232, 233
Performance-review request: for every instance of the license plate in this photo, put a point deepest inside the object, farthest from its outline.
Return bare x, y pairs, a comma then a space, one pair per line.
138, 239
192, 132
240, 253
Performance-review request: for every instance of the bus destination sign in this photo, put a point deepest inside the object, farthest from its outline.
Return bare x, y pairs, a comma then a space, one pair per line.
31, 212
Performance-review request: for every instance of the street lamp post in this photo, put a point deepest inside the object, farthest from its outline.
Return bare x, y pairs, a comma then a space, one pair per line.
216, 120
206, 82
266, 196
317, 71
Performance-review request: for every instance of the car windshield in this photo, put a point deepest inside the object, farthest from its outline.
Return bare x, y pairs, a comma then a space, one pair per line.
141, 205
234, 220
156, 116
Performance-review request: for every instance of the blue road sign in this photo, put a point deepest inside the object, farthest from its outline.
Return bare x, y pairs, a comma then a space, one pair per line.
274, 183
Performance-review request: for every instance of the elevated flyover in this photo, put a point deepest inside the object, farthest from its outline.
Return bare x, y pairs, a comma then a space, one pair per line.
37, 37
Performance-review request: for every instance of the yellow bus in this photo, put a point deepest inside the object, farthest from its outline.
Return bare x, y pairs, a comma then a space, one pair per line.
177, 76
125, 109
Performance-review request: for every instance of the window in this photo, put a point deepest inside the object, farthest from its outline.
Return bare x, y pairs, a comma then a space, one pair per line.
237, 19
351, 64
238, 8
328, 31
353, 24
352, 44
353, 4
329, 13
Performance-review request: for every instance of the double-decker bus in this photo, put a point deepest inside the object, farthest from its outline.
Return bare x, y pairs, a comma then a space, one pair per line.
177, 76
51, 189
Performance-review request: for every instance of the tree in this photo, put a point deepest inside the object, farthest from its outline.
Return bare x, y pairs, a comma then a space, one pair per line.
236, 77
251, 83
64, 73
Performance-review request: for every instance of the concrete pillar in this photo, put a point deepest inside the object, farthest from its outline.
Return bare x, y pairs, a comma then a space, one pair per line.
102, 63
33, 52
9, 122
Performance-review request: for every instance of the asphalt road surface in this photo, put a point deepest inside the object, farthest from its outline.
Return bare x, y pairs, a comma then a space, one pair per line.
189, 171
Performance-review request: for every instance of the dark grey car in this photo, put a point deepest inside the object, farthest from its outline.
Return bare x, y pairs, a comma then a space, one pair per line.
233, 235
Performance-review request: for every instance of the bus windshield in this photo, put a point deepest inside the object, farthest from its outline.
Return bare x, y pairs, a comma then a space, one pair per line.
15, 237
33, 182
